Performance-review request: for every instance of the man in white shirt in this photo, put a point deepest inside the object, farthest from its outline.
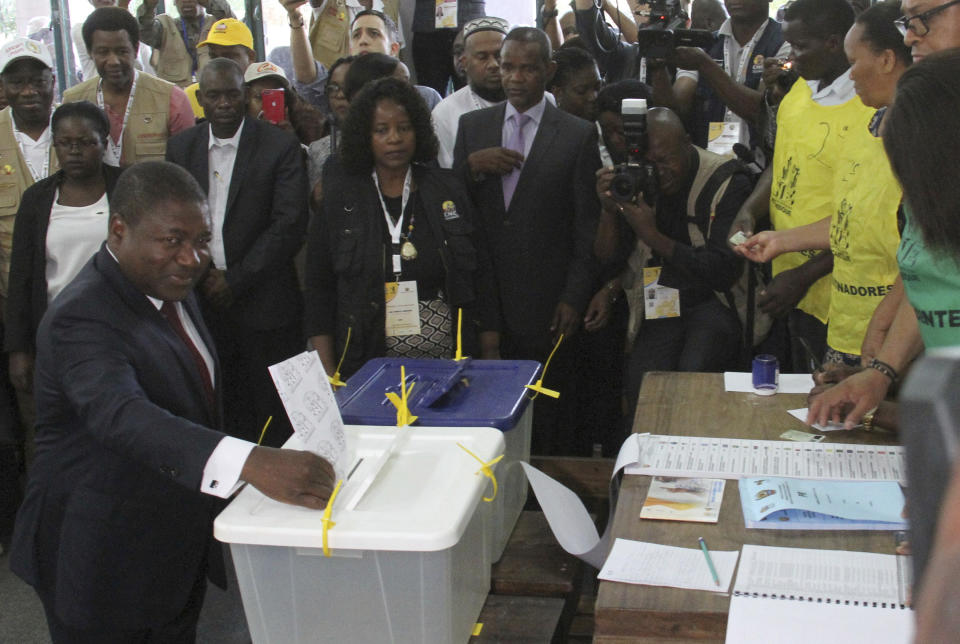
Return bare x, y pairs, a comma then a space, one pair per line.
481, 61
256, 183
115, 533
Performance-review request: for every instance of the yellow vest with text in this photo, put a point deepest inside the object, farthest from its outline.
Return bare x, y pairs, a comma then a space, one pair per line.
145, 136
15, 178
863, 238
805, 157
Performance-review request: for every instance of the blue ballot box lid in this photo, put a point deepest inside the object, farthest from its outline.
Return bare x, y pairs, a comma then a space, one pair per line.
446, 393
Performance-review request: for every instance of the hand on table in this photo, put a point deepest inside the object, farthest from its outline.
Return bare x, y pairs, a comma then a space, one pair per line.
849, 400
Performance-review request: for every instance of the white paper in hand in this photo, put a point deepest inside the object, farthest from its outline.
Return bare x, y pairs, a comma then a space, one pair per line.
311, 407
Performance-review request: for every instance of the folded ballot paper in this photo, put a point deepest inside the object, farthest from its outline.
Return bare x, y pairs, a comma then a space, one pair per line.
802, 504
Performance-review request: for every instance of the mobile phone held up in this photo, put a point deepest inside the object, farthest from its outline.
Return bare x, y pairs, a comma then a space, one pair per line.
273, 105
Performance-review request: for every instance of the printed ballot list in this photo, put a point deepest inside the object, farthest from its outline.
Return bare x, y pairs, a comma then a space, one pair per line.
732, 458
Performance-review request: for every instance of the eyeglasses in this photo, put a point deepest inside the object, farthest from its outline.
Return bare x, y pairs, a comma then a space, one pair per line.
333, 88
80, 144
37, 83
920, 23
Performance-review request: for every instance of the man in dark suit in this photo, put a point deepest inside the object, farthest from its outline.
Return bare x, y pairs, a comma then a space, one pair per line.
530, 170
254, 177
115, 533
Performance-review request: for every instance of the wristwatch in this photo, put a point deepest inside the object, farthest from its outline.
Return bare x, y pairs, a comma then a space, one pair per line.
548, 15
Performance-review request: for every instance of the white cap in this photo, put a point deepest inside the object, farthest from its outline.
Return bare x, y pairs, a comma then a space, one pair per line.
18, 48
256, 71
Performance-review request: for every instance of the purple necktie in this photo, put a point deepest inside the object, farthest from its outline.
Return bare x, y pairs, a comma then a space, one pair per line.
515, 143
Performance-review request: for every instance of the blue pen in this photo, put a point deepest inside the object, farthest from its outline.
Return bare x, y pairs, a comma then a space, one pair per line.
706, 553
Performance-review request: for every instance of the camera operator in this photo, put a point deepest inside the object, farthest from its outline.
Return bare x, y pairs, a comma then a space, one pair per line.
723, 83
619, 58
685, 234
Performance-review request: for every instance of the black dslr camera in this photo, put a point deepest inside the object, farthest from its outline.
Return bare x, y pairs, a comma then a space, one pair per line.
636, 175
664, 34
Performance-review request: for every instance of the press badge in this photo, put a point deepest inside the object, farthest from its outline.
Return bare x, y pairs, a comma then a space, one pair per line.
722, 136
403, 308
658, 301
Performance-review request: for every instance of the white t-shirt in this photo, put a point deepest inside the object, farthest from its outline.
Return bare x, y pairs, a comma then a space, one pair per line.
73, 236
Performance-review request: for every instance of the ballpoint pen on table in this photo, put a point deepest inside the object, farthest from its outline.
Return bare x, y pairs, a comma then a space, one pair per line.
706, 553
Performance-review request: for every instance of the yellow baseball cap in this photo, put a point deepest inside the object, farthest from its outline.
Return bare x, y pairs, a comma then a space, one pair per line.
229, 32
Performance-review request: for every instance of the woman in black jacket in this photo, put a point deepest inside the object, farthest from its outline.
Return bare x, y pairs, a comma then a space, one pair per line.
388, 223
61, 222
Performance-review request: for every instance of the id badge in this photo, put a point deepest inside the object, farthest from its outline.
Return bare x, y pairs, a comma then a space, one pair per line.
403, 308
659, 301
446, 14
722, 136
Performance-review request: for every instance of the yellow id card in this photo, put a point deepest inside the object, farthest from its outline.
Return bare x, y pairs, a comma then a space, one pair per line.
658, 301
403, 308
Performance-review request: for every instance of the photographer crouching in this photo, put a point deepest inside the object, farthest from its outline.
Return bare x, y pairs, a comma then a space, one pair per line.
667, 210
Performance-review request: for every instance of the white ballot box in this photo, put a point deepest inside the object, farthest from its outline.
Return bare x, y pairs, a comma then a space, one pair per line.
409, 563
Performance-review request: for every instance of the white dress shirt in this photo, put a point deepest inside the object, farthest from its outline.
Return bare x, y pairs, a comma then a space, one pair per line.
222, 156
838, 92
446, 120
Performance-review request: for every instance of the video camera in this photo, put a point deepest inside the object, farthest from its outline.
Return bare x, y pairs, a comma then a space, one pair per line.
636, 175
664, 33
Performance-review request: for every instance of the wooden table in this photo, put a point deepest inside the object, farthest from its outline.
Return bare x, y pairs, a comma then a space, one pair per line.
695, 404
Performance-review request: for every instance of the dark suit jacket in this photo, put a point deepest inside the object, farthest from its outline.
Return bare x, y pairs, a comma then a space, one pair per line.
113, 526
266, 218
27, 292
542, 248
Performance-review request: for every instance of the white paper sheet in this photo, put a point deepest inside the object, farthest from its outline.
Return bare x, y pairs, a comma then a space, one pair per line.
801, 595
790, 383
652, 564
801, 415
311, 407
734, 458
758, 620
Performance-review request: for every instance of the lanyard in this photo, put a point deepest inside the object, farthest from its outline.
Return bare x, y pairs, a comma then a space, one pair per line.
476, 100
395, 228
18, 135
186, 43
114, 151
746, 55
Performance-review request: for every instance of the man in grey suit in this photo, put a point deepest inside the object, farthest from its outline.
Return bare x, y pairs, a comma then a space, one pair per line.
530, 170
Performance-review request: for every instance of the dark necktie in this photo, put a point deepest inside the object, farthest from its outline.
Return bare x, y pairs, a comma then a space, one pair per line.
169, 310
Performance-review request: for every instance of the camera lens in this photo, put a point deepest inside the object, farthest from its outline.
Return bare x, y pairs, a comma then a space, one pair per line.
623, 186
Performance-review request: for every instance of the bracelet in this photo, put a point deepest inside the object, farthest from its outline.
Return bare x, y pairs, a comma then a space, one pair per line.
548, 15
885, 369
867, 420
613, 293
293, 26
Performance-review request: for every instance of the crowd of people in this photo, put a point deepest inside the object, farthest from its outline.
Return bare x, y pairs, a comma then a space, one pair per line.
585, 195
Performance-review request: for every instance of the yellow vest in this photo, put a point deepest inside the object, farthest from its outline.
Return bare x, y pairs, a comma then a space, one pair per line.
805, 157
330, 32
15, 178
863, 238
173, 61
146, 134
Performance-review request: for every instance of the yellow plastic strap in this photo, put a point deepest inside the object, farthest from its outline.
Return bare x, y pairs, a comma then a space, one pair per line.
459, 355
263, 432
404, 417
485, 470
538, 387
477, 628
335, 378
327, 522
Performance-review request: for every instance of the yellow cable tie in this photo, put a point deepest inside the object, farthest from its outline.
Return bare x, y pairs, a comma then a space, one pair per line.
485, 470
335, 380
327, 522
263, 431
476, 629
404, 417
459, 356
538, 387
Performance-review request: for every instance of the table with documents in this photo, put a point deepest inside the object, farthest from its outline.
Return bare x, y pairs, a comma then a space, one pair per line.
694, 404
